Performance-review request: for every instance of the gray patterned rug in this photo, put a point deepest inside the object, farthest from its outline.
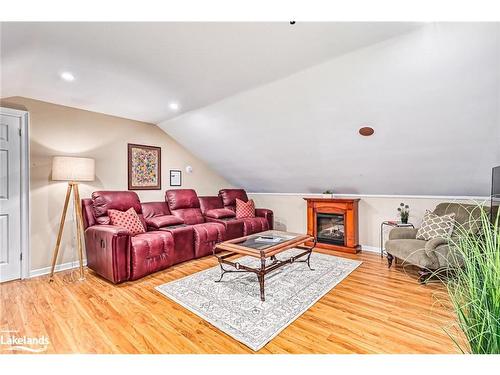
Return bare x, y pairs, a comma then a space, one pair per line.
234, 305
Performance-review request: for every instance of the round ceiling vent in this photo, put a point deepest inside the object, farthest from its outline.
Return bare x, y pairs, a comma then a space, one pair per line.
366, 131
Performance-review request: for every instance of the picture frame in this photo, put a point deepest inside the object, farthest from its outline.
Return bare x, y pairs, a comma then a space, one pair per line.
175, 177
144, 167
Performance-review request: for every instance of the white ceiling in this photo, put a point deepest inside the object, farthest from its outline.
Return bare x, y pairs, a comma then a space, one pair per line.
276, 108
135, 70
432, 96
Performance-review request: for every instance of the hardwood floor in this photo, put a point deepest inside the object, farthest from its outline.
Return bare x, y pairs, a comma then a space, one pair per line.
374, 310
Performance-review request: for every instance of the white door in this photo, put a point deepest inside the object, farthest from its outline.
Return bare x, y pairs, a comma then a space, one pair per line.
10, 197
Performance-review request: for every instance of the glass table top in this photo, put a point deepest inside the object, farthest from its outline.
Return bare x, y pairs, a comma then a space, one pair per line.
265, 240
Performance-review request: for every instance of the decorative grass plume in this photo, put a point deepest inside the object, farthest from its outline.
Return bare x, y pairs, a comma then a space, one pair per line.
474, 288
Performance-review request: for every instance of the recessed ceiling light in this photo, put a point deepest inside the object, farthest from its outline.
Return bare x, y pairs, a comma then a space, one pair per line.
174, 106
67, 76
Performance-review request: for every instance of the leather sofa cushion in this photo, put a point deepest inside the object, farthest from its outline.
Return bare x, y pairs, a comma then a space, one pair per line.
182, 198
103, 201
210, 203
150, 252
183, 242
153, 209
87, 213
229, 196
233, 227
164, 221
254, 225
184, 204
220, 213
191, 216
206, 236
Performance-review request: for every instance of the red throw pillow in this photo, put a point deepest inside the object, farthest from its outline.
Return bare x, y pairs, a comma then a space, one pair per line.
244, 209
128, 220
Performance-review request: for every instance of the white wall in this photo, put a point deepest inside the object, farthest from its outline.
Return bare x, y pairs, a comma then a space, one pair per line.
59, 130
290, 212
432, 96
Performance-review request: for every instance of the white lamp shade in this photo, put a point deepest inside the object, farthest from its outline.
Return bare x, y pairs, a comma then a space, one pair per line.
69, 168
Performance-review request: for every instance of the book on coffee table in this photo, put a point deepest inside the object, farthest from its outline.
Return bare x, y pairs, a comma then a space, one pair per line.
268, 239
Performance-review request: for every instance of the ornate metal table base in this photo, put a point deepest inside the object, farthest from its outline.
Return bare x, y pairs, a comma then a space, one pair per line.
263, 270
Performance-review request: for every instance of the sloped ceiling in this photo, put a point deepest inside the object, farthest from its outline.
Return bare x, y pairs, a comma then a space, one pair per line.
432, 96
135, 70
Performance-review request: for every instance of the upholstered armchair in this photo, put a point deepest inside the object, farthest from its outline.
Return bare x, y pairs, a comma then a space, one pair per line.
437, 253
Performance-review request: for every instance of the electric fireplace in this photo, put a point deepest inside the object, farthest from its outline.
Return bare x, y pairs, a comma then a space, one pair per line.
330, 228
333, 223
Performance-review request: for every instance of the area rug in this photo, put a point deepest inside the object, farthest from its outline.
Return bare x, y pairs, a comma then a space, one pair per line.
234, 306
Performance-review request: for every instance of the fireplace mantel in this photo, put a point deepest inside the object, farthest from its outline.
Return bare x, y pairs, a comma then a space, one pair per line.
346, 207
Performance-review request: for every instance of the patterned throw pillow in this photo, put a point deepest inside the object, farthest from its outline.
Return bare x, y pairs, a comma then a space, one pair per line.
245, 209
127, 219
434, 226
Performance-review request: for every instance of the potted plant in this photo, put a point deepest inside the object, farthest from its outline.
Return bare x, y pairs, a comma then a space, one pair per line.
404, 212
474, 287
328, 194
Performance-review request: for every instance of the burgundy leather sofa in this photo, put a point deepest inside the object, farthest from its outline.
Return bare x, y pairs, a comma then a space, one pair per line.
181, 228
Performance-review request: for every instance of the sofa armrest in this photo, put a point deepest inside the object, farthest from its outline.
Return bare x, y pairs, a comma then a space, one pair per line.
220, 213
266, 214
158, 222
403, 234
108, 252
448, 255
432, 244
431, 248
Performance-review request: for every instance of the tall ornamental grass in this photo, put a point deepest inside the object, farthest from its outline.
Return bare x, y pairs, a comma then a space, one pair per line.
474, 288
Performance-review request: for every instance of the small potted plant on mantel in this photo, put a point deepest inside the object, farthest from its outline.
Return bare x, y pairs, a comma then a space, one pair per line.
328, 194
404, 212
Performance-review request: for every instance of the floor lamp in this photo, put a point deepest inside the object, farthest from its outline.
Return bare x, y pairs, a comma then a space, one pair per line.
73, 170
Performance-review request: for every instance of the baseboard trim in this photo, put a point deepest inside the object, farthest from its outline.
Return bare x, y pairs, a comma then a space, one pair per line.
444, 197
371, 249
76, 264
59, 267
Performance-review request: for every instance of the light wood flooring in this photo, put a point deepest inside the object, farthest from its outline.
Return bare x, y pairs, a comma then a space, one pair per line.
373, 310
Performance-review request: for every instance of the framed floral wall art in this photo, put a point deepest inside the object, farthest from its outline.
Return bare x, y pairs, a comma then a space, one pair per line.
144, 167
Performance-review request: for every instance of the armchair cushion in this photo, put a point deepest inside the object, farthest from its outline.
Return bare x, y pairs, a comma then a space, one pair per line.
403, 233
220, 213
412, 251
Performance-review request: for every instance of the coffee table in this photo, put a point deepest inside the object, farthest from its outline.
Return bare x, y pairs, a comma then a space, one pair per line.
257, 246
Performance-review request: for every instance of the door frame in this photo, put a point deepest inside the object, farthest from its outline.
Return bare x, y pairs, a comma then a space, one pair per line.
24, 189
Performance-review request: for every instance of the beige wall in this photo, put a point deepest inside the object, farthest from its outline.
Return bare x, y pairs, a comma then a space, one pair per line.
59, 130
290, 212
